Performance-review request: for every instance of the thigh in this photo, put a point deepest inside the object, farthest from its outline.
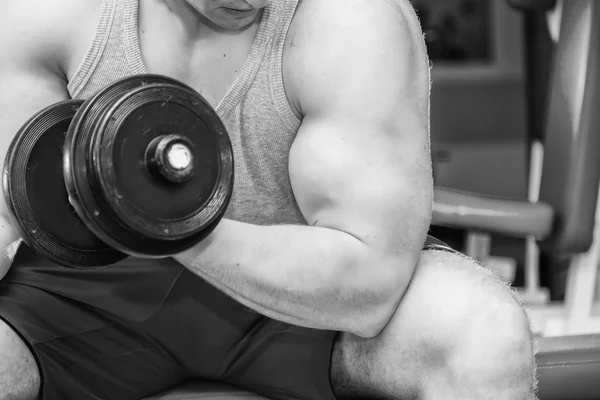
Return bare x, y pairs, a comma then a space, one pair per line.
220, 339
19, 376
83, 328
451, 301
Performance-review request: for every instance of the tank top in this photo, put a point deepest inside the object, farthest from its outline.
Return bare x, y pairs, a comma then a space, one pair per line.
255, 110
262, 127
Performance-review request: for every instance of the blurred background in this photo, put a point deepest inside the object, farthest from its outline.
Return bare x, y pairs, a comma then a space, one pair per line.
482, 119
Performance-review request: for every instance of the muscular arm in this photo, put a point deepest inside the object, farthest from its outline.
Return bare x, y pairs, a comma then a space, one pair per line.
32, 43
360, 171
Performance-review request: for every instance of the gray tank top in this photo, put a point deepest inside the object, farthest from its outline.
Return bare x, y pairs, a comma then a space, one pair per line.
255, 110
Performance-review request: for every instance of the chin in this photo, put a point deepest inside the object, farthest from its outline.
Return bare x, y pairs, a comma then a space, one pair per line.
233, 25
227, 22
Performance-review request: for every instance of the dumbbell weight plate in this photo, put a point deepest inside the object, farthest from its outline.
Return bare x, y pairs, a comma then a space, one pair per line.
35, 193
119, 195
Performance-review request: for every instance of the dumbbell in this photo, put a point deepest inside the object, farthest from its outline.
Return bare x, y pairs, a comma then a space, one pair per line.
143, 168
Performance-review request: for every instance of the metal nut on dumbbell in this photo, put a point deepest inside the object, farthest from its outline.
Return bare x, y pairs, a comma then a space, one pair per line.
171, 157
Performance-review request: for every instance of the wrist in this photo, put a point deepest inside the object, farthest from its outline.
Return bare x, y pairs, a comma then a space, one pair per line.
231, 245
199, 248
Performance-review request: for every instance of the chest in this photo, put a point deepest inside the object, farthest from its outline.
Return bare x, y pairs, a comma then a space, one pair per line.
210, 64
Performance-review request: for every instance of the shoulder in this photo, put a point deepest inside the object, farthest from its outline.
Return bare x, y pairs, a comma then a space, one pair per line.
343, 12
330, 36
41, 32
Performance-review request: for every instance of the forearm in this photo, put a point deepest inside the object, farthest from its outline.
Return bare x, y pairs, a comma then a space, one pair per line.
303, 275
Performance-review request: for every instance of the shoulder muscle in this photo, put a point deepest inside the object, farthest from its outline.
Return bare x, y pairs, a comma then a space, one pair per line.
374, 48
35, 36
38, 33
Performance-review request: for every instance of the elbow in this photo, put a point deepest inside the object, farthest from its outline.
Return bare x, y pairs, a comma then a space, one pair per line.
374, 319
382, 294
372, 325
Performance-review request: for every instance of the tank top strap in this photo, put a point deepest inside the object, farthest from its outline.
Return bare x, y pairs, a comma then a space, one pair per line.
108, 11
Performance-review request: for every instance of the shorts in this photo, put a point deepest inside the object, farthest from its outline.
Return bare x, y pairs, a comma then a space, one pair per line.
142, 326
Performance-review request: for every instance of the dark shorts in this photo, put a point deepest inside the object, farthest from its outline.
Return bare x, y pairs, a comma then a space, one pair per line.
140, 327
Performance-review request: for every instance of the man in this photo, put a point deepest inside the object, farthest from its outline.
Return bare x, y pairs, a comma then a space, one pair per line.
316, 284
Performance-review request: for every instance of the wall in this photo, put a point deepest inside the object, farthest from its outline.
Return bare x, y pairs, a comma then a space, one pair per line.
479, 138
478, 115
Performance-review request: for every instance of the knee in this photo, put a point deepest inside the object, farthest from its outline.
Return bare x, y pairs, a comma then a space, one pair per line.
457, 327
494, 332
476, 322
19, 376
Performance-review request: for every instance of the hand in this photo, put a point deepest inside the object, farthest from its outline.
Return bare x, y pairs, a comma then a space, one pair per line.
9, 243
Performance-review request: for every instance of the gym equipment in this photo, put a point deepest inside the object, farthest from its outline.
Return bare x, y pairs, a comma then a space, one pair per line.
142, 168
148, 165
562, 216
532, 5
35, 192
205, 390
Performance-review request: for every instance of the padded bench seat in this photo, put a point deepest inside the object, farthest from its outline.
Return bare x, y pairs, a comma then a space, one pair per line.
569, 368
205, 390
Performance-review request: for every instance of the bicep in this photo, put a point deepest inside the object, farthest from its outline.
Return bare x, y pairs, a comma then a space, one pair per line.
361, 161
364, 178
